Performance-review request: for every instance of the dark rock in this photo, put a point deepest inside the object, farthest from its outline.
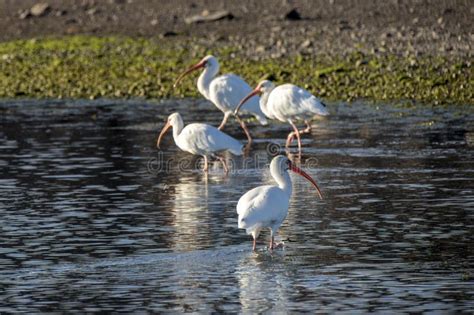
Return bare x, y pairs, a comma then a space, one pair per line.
293, 15
345, 28
169, 34
71, 21
206, 16
448, 11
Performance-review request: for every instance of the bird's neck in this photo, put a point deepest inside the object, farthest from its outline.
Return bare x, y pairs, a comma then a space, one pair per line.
264, 103
283, 180
177, 128
205, 79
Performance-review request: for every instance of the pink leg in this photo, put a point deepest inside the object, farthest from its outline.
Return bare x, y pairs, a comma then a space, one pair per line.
254, 248
224, 121
274, 245
308, 127
306, 130
297, 132
205, 164
247, 148
226, 170
244, 127
289, 139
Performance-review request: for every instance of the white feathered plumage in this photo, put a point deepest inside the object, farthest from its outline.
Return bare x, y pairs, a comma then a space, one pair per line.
200, 139
287, 103
267, 206
224, 91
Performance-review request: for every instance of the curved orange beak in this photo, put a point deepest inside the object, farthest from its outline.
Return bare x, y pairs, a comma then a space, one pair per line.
299, 171
245, 99
200, 64
162, 133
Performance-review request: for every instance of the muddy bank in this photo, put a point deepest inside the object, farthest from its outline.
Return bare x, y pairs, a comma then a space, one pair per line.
259, 28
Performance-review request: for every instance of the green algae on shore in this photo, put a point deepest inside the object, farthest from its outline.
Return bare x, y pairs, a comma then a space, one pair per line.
92, 67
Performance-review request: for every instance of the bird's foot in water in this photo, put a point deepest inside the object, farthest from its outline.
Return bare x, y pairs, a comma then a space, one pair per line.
277, 245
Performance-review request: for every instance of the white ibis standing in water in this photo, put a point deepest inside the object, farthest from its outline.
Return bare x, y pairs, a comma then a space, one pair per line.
287, 103
267, 206
225, 91
200, 139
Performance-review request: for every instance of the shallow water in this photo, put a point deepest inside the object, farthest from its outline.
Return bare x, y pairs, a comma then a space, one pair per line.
94, 217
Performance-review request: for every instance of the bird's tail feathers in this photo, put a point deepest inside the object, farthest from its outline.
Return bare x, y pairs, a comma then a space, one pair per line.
237, 148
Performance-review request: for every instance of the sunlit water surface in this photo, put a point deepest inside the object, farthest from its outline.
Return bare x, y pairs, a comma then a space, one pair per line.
93, 217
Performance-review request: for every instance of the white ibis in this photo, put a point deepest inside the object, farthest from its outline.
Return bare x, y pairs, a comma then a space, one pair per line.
267, 206
224, 91
287, 103
200, 139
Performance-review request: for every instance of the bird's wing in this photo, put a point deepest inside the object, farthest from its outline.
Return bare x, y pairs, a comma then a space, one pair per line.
206, 138
289, 100
228, 90
261, 206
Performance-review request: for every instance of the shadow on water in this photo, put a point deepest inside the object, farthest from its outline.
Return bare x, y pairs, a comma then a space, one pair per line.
94, 217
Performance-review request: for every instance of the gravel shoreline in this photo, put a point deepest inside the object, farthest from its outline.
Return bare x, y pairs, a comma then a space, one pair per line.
259, 29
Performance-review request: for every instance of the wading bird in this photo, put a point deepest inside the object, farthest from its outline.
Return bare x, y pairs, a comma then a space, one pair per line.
287, 103
200, 139
267, 206
224, 91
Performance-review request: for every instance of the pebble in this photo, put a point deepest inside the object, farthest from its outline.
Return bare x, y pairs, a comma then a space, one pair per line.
60, 13
92, 11
24, 14
307, 43
206, 16
276, 28
260, 49
40, 9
